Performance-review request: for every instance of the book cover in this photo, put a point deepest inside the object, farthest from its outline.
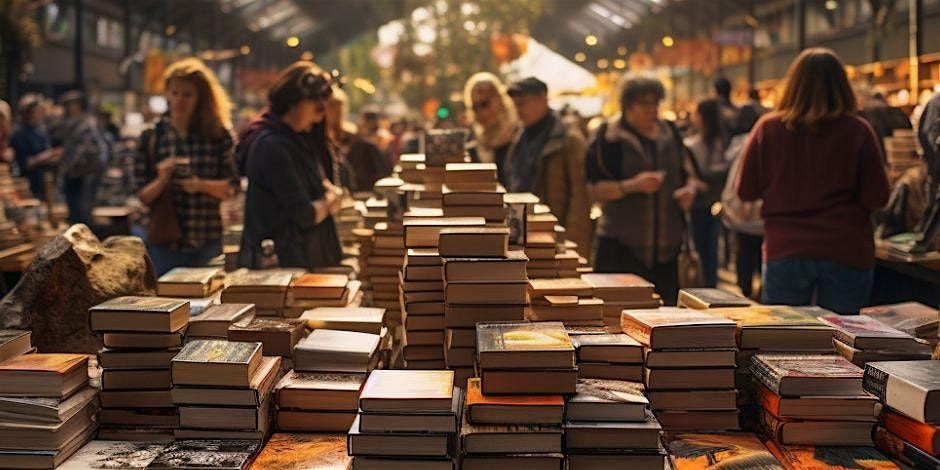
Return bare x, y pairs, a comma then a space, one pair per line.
475, 397
261, 324
614, 391
218, 352
508, 337
606, 281
182, 275
826, 457
303, 452
224, 313
60, 364
245, 279
849, 327
771, 369
315, 381
324, 317
922, 435
769, 316
102, 455
207, 453
913, 318
706, 298
726, 450
340, 341
906, 386
141, 304
321, 281
409, 384
563, 286
607, 339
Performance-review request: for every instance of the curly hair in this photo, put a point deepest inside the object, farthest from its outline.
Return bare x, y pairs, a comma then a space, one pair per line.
213, 115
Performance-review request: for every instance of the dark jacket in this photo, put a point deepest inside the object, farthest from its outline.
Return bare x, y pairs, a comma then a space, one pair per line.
284, 178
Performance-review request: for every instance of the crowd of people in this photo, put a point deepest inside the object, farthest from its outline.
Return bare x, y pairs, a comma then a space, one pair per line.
790, 193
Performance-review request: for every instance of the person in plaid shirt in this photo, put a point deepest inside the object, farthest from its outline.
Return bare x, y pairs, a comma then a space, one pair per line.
190, 152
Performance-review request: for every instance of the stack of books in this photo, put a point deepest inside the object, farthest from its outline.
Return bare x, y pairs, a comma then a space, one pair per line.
411, 168
375, 211
348, 219
901, 153
47, 409
317, 402
215, 320
384, 265
422, 293
622, 291
608, 425
141, 337
913, 318
358, 319
338, 351
191, 282
813, 400
704, 298
407, 419
909, 428
524, 358
267, 289
278, 335
223, 390
314, 290
14, 343
614, 356
862, 339
511, 431
688, 367
483, 281
543, 248
568, 300
472, 190
441, 146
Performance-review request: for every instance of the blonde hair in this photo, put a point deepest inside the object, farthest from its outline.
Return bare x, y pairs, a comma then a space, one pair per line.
487, 80
817, 90
213, 115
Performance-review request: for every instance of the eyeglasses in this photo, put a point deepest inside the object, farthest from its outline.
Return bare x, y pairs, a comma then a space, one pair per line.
481, 104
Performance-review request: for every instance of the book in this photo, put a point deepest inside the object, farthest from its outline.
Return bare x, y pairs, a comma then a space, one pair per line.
800, 375
687, 358
860, 357
693, 400
414, 422
424, 232
699, 420
619, 458
566, 286
509, 438
233, 418
190, 282
620, 287
922, 435
14, 343
313, 391
513, 461
610, 370
901, 451
777, 328
692, 451
511, 268
136, 379
319, 286
314, 420
818, 457
688, 379
361, 319
48, 436
860, 408
815, 432
206, 453
587, 435
262, 383
520, 345
144, 340
474, 242
113, 454
619, 348
512, 409
910, 387
136, 398
141, 314
216, 363
462, 173
166, 418
214, 321
337, 351
304, 451
278, 335
913, 318
486, 293
387, 444
705, 298
43, 375
529, 381
607, 400
136, 359
408, 391
675, 328
257, 281
47, 458
43, 410
863, 332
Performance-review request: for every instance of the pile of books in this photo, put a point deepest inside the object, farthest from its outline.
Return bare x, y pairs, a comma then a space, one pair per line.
47, 408
604, 355
608, 425
267, 289
909, 426
621, 291
568, 300
901, 153
862, 339
472, 190
483, 282
522, 358
215, 320
338, 351
278, 335
511, 431
542, 246
411, 168
383, 266
141, 337
814, 400
317, 402
705, 298
407, 419
348, 219
191, 282
913, 318
368, 320
223, 390
314, 290
688, 367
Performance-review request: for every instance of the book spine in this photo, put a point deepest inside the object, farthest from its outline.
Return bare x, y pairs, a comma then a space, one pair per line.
765, 375
875, 382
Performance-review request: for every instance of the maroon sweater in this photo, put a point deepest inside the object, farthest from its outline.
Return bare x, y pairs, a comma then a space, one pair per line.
819, 189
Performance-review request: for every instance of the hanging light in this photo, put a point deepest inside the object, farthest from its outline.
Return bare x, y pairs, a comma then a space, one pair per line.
580, 57
668, 41
292, 41
590, 40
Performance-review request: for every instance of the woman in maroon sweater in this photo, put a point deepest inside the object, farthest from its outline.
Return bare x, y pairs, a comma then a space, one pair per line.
819, 170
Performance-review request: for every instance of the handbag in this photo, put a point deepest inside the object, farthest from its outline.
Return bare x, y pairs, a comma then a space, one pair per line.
690, 264
164, 225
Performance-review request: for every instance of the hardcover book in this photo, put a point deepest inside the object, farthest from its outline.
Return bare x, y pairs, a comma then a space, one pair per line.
913, 318
676, 328
214, 321
509, 438
14, 343
474, 242
206, 453
336, 351
902, 451
620, 287
607, 400
922, 435
798, 375
245, 280
304, 451
910, 387
777, 328
610, 435
190, 282
130, 313
424, 232
618, 348
319, 286
520, 345
262, 382
361, 319
216, 363
512, 409
692, 451
706, 298
278, 335
408, 391
565, 286
863, 332
304, 390
43, 375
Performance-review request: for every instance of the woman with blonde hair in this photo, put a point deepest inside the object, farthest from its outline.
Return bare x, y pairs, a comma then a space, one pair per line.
494, 118
818, 168
185, 168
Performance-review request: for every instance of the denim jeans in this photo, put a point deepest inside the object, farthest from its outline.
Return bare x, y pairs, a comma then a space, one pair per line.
165, 258
705, 228
793, 281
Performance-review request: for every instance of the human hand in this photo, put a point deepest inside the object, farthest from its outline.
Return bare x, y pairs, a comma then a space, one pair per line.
165, 168
647, 182
685, 196
190, 185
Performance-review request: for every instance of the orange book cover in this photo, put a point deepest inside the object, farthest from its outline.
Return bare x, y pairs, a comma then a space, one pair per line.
700, 451
830, 457
314, 280
475, 397
304, 451
40, 362
769, 400
921, 435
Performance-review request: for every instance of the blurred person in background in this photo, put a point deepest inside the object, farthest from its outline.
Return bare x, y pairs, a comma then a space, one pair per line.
818, 169
6, 131
729, 112
342, 134
32, 148
86, 154
494, 119
708, 146
366, 161
290, 199
186, 166
749, 112
546, 158
644, 179
883, 117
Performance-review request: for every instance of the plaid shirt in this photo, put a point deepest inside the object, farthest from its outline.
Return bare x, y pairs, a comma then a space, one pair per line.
199, 215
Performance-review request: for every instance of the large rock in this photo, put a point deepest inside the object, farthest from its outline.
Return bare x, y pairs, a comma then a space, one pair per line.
71, 273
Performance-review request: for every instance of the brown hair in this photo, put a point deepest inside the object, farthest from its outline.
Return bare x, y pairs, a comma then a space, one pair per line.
817, 90
298, 81
212, 117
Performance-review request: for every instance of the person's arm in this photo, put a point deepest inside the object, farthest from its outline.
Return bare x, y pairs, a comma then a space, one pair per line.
748, 183
272, 172
603, 188
873, 188
155, 187
222, 187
